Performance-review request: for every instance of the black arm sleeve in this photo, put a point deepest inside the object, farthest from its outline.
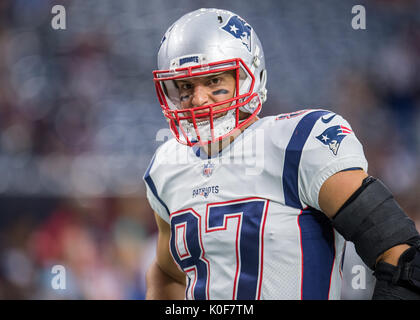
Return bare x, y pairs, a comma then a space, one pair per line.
374, 222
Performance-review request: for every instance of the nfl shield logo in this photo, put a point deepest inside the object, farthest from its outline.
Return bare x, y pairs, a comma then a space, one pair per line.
208, 169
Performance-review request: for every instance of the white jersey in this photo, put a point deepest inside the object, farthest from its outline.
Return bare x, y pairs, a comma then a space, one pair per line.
245, 223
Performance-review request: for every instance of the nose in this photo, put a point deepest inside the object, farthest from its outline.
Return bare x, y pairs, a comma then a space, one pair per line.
200, 96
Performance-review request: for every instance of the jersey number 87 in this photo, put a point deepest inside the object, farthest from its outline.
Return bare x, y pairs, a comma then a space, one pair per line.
186, 245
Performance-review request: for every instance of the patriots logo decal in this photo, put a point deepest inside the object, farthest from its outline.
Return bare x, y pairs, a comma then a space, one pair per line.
241, 30
333, 136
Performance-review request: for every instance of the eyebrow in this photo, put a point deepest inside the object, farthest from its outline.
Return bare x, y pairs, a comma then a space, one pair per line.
206, 78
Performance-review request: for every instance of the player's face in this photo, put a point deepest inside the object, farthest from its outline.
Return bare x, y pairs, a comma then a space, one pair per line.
202, 91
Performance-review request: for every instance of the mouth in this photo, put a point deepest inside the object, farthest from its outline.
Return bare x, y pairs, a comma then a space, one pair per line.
205, 116
201, 118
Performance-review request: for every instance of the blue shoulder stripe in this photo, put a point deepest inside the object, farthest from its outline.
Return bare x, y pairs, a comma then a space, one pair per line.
293, 155
148, 179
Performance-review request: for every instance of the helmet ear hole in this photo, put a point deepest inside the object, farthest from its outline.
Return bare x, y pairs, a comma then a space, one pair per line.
263, 78
263, 82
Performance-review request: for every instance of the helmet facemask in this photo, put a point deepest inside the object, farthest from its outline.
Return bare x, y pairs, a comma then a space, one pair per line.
206, 124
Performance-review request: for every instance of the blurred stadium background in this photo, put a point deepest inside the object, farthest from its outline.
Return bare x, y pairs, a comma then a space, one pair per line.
79, 117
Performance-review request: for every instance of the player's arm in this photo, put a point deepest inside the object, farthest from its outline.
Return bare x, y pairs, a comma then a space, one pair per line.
164, 279
363, 210
335, 192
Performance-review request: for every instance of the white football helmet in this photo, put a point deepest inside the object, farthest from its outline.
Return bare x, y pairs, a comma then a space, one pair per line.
202, 43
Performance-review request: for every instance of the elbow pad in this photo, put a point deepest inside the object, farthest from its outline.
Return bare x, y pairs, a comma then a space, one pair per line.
373, 221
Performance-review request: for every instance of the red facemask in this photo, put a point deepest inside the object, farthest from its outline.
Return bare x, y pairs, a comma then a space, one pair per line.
185, 124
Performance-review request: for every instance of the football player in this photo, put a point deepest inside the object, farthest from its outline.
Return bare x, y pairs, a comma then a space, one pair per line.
275, 232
